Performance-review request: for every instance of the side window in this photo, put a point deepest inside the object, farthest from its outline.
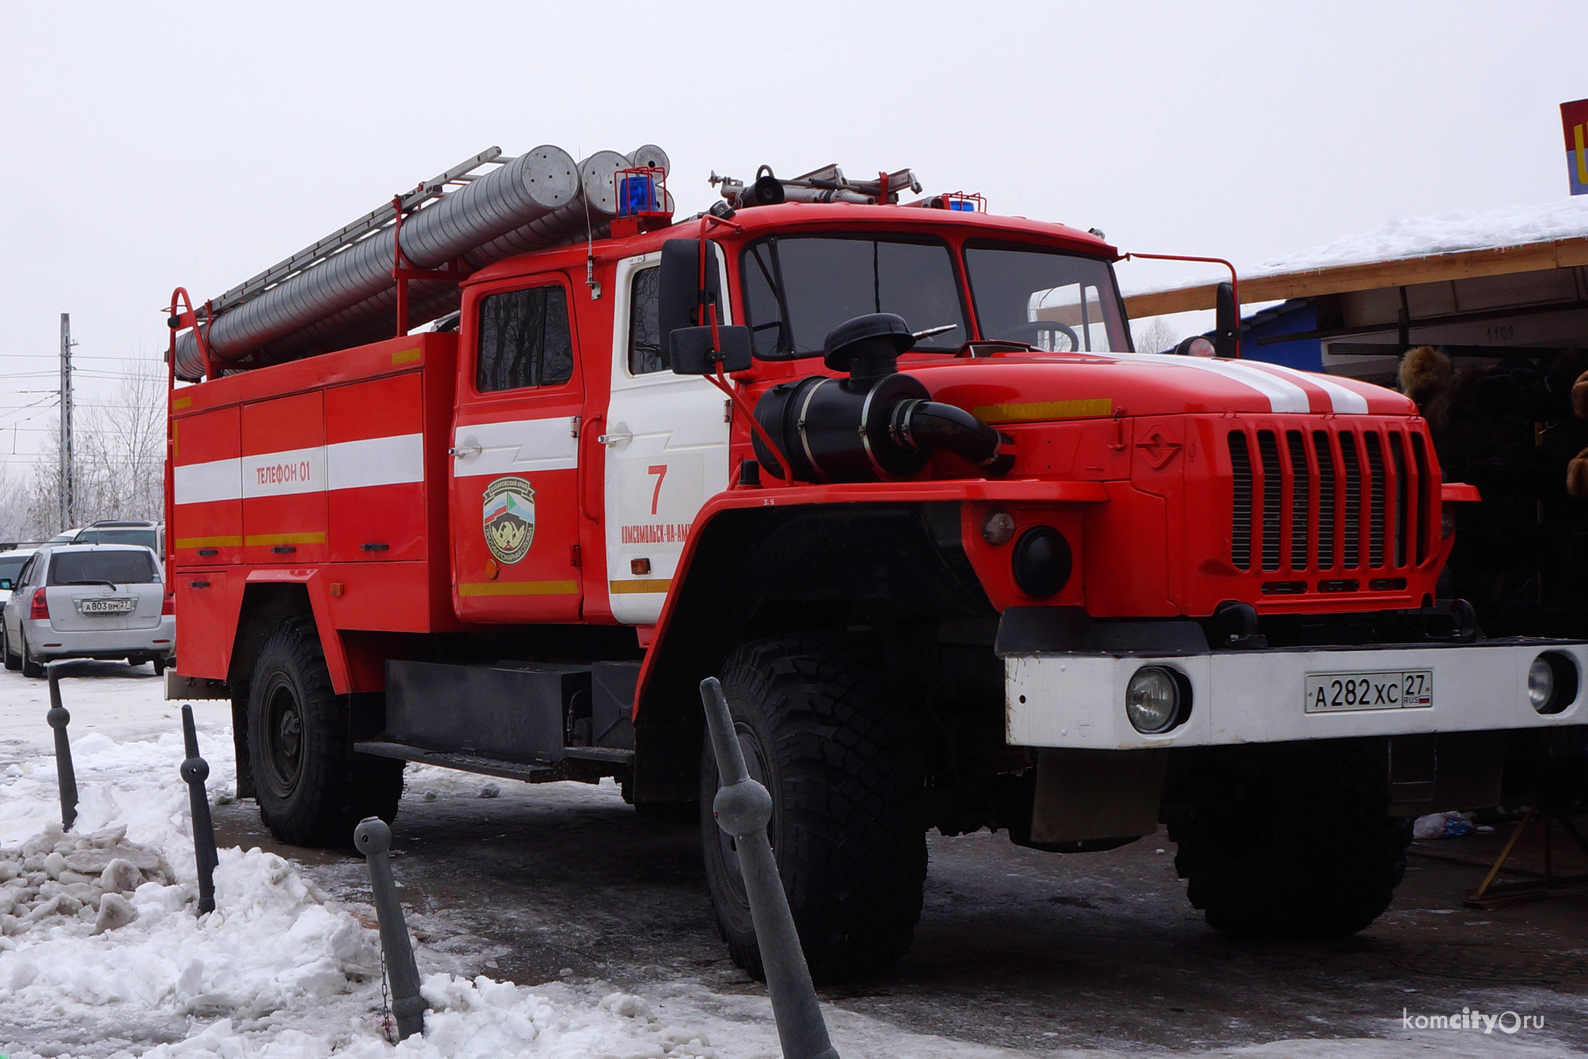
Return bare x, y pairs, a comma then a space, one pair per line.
26, 576
524, 340
646, 352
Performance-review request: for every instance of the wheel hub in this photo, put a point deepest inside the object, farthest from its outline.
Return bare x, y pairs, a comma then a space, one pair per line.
284, 739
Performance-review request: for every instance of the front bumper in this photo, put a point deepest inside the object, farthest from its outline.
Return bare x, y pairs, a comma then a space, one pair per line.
1078, 699
48, 643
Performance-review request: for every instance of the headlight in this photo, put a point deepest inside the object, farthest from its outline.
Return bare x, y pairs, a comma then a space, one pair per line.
1042, 562
1540, 684
1152, 700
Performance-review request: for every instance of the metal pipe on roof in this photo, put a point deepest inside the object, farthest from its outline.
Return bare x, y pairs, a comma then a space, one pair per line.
372, 318
290, 318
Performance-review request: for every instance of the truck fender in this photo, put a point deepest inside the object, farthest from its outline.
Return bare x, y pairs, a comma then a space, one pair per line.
319, 594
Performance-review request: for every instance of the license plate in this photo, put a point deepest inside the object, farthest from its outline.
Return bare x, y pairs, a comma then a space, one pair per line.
105, 606
1393, 689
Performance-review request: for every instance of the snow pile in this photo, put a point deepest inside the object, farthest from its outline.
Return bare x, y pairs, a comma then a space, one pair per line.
53, 874
1442, 234
275, 942
98, 927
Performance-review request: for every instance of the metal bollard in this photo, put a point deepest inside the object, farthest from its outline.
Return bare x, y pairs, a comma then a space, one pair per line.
373, 839
195, 770
59, 718
742, 808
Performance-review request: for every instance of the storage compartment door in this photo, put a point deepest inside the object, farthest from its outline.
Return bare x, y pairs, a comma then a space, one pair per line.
283, 462
374, 462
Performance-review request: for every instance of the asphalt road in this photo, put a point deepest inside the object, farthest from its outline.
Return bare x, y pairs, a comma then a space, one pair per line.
1016, 948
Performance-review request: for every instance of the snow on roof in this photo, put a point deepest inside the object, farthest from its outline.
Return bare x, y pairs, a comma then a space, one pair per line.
1442, 233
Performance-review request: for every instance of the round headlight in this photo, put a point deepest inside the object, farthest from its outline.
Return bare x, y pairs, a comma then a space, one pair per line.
998, 527
1540, 684
1041, 562
1152, 700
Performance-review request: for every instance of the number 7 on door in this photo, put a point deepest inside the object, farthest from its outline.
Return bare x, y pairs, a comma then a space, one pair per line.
660, 470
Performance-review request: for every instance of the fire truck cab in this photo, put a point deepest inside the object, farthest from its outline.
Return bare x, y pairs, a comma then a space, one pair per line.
960, 557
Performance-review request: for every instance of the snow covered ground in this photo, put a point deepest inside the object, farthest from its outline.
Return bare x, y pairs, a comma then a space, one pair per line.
283, 970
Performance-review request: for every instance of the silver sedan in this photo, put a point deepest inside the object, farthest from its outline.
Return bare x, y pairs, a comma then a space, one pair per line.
104, 601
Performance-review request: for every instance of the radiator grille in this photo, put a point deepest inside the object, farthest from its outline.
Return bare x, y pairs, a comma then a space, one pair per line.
1241, 520
1310, 502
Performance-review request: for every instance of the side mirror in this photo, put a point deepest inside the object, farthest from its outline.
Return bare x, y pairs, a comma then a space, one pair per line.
679, 297
1227, 322
692, 355
6, 585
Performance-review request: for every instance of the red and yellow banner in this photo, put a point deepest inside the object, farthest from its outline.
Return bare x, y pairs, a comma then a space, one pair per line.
1574, 121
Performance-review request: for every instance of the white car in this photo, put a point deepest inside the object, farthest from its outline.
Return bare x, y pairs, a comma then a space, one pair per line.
103, 601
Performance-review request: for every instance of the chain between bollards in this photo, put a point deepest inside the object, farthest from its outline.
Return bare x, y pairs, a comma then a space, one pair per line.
59, 718
373, 839
195, 770
742, 808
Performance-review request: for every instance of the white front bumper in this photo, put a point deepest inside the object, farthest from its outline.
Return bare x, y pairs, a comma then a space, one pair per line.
1078, 700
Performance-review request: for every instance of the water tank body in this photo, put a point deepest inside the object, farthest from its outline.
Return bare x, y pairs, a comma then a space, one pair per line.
537, 200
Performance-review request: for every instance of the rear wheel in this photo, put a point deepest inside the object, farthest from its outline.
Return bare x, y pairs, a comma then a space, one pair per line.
821, 732
159, 666
311, 789
31, 667
1293, 842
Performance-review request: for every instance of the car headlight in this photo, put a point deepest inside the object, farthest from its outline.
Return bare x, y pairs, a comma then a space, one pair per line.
1153, 700
1540, 684
1042, 562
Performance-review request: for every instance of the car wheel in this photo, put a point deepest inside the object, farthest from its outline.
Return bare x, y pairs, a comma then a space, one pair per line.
159, 666
838, 755
31, 667
311, 789
1255, 872
12, 662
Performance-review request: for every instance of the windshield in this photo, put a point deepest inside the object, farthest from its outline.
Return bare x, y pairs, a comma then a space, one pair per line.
11, 565
125, 535
826, 280
1045, 298
120, 567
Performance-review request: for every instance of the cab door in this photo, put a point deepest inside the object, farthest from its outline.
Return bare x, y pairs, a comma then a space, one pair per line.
666, 437
514, 492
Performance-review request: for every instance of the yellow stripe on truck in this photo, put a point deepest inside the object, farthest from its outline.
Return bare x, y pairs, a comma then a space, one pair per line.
518, 588
267, 540
1091, 408
631, 587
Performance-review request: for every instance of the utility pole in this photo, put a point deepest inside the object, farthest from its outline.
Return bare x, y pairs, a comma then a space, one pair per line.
68, 468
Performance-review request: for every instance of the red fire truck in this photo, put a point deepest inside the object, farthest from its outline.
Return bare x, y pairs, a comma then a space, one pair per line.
892, 472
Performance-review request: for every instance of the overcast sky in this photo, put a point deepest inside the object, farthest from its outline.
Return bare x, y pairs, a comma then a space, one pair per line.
150, 145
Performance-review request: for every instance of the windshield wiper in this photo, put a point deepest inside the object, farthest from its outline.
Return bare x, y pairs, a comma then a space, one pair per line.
93, 581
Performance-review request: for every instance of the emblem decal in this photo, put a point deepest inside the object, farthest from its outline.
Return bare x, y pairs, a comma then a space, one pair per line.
509, 518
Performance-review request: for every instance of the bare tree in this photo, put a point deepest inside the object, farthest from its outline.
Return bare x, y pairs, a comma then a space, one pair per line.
1153, 335
120, 460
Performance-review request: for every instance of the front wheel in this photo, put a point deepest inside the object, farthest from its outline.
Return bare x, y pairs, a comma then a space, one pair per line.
1293, 842
12, 662
311, 789
820, 730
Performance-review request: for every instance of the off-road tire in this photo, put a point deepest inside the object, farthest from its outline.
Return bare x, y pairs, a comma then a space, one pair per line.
311, 789
840, 758
31, 667
1293, 842
12, 662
